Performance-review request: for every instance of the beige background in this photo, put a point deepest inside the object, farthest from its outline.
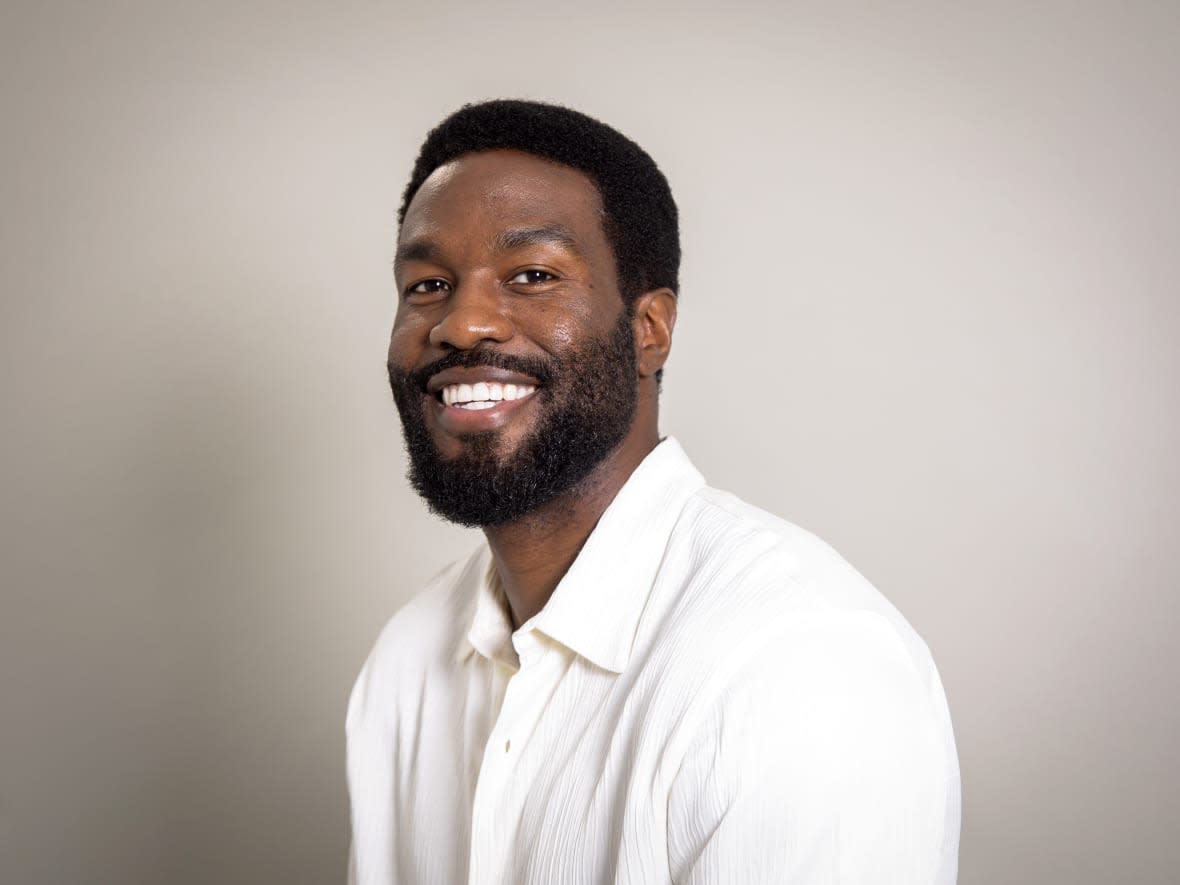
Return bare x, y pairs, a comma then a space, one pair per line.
930, 311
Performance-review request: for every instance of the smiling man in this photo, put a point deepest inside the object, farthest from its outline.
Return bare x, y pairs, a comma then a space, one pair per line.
637, 679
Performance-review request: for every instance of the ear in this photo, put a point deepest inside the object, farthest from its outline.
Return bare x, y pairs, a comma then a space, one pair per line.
654, 319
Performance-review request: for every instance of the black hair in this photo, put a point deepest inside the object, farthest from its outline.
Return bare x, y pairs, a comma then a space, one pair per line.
640, 217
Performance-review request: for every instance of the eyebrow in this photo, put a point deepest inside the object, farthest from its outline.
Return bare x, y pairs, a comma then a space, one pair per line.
546, 235
505, 241
415, 250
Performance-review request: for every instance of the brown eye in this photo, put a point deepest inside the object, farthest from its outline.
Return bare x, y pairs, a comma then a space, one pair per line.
533, 276
429, 287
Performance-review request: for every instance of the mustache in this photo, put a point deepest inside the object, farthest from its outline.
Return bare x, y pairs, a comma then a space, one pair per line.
537, 367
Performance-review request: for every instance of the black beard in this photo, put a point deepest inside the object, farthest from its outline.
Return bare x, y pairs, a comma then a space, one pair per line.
588, 400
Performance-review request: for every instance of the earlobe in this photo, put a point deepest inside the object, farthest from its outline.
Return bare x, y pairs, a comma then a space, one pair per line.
655, 318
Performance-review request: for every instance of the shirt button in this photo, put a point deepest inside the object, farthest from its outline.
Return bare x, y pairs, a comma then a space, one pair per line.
507, 745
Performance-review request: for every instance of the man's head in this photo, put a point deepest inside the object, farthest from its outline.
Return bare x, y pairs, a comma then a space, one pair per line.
532, 321
639, 215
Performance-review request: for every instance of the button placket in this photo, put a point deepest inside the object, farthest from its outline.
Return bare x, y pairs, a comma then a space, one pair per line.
498, 784
487, 845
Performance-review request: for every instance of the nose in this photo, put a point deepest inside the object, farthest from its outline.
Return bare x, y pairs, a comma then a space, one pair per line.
474, 313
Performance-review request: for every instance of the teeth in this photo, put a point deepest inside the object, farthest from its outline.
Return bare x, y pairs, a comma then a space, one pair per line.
483, 394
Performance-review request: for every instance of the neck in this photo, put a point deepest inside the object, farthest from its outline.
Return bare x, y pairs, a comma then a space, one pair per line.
533, 554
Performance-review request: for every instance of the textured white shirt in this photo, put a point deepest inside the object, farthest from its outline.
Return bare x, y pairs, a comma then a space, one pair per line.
710, 695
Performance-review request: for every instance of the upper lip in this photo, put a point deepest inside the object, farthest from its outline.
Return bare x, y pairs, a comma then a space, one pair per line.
473, 374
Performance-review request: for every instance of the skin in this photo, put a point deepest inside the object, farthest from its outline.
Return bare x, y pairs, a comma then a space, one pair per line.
463, 286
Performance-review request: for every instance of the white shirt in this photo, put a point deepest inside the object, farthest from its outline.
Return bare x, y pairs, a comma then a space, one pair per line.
710, 695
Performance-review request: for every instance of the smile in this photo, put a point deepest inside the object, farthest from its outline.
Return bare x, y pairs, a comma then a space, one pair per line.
476, 399
483, 394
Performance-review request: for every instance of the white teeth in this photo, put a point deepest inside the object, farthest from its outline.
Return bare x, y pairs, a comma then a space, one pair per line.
517, 391
483, 394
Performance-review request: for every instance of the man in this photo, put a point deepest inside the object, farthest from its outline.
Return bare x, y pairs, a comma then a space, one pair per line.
638, 679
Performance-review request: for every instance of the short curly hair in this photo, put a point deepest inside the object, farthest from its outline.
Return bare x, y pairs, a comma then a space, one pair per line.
641, 220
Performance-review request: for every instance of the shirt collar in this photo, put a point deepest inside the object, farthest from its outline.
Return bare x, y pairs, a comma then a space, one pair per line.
491, 626
595, 609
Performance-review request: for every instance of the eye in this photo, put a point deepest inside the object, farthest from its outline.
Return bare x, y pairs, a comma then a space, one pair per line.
432, 286
532, 277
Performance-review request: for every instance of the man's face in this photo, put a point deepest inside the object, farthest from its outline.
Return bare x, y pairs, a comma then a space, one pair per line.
512, 359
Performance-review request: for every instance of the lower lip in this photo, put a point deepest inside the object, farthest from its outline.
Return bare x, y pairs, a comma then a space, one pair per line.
453, 419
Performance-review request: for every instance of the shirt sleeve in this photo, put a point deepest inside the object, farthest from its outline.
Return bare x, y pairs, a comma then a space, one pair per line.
823, 762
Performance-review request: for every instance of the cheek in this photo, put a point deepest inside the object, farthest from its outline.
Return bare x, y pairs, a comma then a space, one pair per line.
407, 339
562, 335
559, 328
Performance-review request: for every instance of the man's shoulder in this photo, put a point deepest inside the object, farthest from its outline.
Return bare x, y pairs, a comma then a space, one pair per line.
437, 614
425, 632
746, 576
753, 613
762, 550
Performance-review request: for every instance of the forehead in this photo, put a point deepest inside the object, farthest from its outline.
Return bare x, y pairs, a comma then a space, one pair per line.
500, 189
